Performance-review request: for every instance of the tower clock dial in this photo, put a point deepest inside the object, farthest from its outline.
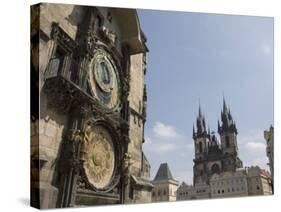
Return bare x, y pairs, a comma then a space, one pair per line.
99, 157
103, 79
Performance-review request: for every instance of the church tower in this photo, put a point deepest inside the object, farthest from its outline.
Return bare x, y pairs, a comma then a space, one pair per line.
202, 141
228, 136
201, 136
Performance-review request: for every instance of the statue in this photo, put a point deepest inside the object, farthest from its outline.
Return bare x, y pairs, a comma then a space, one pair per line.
87, 138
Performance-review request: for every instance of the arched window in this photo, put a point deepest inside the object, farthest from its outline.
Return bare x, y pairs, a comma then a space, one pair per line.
215, 169
227, 143
200, 147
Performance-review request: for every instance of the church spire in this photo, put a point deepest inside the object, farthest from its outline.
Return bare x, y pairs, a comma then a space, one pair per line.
199, 111
224, 106
200, 123
226, 119
193, 132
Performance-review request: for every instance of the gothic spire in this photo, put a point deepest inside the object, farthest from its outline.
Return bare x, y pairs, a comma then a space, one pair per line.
226, 119
200, 112
193, 132
224, 106
200, 123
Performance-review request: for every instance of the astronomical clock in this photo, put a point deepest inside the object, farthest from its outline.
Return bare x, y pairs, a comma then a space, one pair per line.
104, 79
86, 89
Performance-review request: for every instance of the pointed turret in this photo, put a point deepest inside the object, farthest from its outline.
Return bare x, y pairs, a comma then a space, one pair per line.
200, 124
224, 106
193, 132
226, 119
200, 112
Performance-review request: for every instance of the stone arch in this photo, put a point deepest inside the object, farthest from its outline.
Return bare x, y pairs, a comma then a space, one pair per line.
215, 168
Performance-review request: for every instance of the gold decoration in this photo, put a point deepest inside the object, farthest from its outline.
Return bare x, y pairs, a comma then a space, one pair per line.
98, 156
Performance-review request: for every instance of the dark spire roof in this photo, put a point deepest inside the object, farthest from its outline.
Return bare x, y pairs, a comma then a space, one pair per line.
164, 173
183, 183
200, 112
224, 106
226, 119
193, 131
201, 129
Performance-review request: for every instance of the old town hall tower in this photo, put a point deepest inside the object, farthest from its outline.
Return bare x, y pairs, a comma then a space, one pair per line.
88, 69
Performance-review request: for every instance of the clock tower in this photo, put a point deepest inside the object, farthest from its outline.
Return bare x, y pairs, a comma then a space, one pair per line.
89, 133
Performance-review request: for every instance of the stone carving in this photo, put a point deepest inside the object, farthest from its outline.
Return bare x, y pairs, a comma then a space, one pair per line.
126, 163
109, 35
59, 34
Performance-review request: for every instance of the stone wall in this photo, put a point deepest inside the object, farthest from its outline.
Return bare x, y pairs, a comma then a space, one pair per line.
165, 190
136, 105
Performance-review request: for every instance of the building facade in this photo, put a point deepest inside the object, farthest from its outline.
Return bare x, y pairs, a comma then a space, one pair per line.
190, 192
259, 181
269, 137
165, 186
87, 68
229, 184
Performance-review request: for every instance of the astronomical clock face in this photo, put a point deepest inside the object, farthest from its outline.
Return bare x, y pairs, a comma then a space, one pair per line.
99, 157
103, 78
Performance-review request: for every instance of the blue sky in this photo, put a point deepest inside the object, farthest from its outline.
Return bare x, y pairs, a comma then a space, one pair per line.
201, 57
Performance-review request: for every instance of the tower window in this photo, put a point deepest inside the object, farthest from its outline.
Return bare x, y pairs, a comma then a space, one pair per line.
227, 143
215, 168
200, 147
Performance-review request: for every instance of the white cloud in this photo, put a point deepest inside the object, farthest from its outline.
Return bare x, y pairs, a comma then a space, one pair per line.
253, 149
189, 146
164, 138
165, 147
266, 49
164, 131
256, 148
148, 140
